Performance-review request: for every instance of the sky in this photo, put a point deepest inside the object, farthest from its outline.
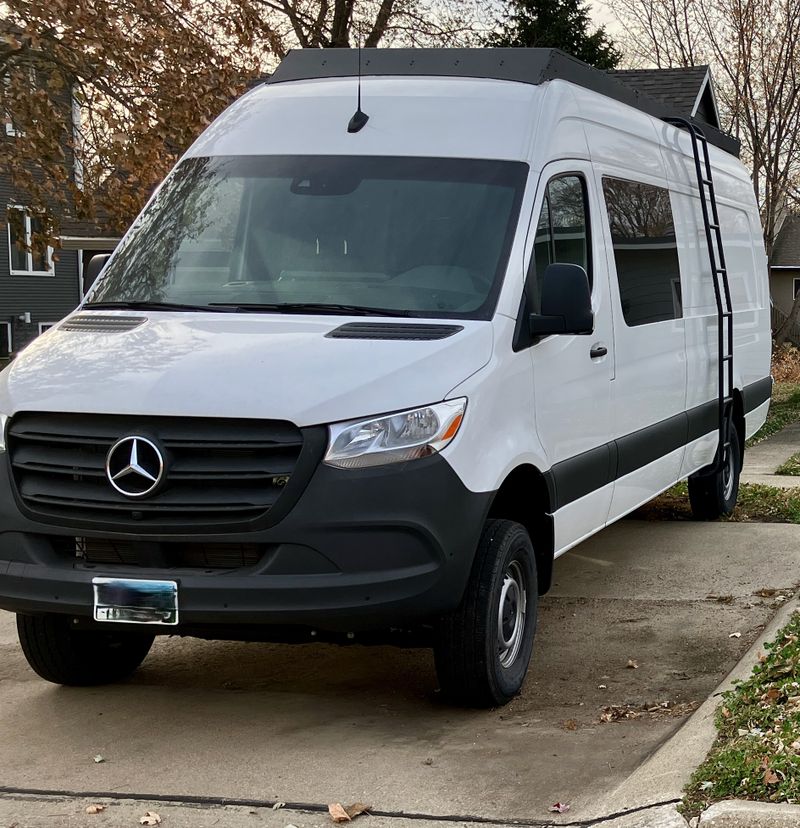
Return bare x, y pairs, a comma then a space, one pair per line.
602, 16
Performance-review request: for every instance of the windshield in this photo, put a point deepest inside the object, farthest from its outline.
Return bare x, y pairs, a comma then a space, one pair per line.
411, 236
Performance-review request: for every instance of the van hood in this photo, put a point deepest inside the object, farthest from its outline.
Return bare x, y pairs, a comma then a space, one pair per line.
240, 365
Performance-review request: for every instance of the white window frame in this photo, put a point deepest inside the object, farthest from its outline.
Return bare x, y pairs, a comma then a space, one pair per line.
11, 130
51, 271
6, 335
44, 326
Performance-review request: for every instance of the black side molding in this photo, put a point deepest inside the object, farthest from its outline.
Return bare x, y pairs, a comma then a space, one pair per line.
574, 478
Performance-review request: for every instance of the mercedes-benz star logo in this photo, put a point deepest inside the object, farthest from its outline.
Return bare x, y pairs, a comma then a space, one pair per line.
134, 466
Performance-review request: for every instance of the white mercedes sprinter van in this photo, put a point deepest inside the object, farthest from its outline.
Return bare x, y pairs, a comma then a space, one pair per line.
367, 370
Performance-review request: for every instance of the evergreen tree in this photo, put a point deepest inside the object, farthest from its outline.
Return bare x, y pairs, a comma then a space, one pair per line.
559, 24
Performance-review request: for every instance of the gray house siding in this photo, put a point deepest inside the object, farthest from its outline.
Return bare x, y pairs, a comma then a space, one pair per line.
46, 298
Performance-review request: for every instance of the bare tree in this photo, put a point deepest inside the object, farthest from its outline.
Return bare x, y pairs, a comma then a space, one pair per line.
754, 49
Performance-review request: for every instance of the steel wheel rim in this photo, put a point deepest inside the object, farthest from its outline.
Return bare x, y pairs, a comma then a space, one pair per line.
511, 614
728, 475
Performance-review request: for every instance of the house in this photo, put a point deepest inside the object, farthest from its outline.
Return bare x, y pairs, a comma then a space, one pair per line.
784, 268
686, 91
39, 288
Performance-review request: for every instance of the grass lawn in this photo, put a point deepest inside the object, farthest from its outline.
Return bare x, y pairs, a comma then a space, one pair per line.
791, 467
783, 410
757, 504
757, 752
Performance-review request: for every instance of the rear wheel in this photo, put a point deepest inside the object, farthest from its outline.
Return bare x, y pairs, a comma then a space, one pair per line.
64, 655
483, 648
714, 495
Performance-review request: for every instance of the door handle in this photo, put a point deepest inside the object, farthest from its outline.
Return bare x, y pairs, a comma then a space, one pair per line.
598, 350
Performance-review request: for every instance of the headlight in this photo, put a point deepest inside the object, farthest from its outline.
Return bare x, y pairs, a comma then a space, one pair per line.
395, 438
3, 421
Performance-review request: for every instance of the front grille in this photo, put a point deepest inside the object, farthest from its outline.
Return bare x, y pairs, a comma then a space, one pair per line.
217, 470
182, 554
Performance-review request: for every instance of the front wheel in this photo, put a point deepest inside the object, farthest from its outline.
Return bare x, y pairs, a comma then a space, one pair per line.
714, 495
81, 658
483, 648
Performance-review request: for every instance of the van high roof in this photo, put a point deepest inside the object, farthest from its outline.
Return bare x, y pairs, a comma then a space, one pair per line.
533, 66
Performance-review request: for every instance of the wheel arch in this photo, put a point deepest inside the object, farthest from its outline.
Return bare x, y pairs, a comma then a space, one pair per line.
525, 497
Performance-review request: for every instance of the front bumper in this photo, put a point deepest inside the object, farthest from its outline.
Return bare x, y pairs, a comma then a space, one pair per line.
361, 549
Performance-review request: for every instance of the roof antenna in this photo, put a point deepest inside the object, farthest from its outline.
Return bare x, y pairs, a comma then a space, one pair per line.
359, 118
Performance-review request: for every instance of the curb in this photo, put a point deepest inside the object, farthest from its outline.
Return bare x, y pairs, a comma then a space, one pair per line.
738, 813
664, 775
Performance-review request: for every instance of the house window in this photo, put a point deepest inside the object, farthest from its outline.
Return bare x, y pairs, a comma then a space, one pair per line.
12, 129
645, 251
45, 326
5, 339
26, 251
795, 287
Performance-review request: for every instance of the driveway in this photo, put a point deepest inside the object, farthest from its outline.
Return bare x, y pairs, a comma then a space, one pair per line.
639, 620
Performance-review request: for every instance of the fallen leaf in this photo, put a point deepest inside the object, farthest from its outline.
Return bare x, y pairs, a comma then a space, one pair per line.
356, 809
338, 813
559, 808
98, 759
632, 664
570, 724
150, 818
735, 635
95, 809
704, 786
773, 693
278, 805
770, 777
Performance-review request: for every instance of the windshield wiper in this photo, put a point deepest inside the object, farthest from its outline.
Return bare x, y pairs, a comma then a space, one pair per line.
312, 307
162, 306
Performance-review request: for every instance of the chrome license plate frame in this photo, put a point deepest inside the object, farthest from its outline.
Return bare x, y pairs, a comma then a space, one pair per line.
135, 601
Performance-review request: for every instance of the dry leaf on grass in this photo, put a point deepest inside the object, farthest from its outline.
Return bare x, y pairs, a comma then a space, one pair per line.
150, 818
559, 808
770, 777
95, 809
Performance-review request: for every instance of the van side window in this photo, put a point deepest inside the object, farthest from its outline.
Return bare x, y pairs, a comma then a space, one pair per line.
645, 251
561, 233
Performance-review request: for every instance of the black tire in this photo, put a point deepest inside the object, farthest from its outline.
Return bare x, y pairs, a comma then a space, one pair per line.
714, 495
472, 667
80, 658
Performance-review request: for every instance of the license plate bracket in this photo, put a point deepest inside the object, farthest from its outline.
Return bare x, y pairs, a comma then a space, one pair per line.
135, 601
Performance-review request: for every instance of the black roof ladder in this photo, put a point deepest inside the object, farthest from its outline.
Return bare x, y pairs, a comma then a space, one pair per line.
719, 273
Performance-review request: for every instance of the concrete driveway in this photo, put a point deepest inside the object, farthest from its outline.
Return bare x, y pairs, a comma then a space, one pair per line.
317, 724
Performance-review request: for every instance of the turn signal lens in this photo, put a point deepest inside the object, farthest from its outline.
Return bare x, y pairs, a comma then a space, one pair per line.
395, 438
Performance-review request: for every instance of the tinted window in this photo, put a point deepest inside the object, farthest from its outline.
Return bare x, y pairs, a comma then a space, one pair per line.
645, 251
420, 236
561, 233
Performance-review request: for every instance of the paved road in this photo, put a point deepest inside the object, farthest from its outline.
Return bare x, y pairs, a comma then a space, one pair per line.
315, 724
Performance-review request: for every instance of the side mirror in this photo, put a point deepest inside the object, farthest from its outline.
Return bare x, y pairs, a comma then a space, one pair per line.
566, 302
96, 264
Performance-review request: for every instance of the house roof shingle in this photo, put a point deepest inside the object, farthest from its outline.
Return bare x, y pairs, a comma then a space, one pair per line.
786, 252
677, 87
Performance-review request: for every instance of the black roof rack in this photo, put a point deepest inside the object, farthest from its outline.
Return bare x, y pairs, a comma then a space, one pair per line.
532, 66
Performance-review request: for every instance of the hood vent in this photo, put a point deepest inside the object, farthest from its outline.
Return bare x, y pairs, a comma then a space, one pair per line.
98, 323
389, 330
